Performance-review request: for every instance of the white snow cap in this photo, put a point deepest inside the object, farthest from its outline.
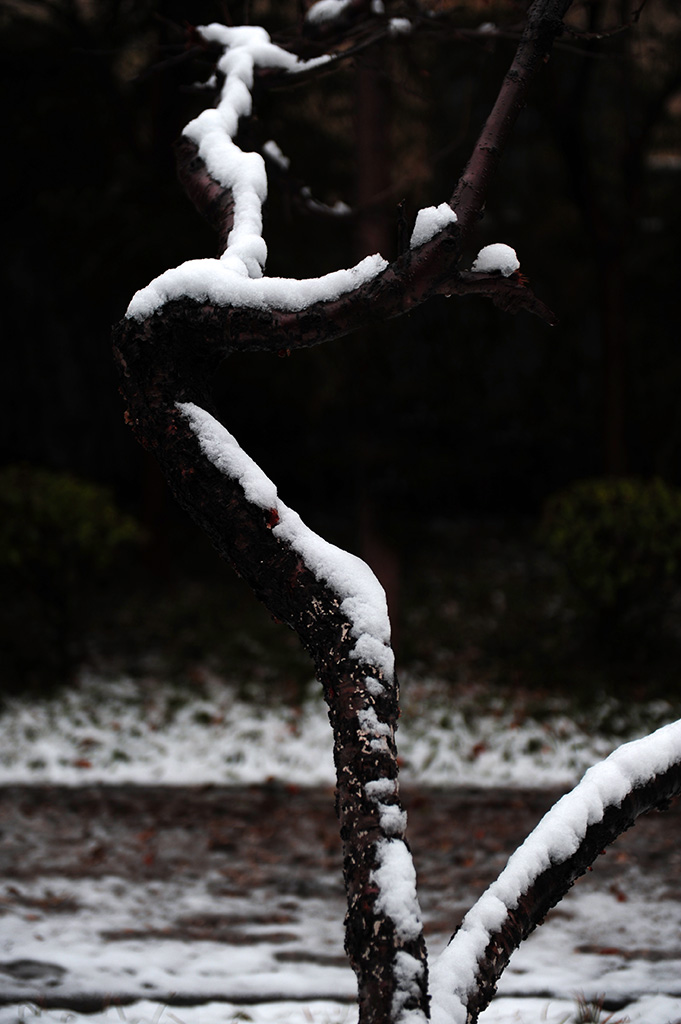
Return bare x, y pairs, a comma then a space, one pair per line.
326, 10
429, 221
395, 879
272, 150
496, 257
399, 27
245, 48
214, 129
408, 973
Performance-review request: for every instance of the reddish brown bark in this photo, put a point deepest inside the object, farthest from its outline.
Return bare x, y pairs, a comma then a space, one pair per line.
214, 202
544, 23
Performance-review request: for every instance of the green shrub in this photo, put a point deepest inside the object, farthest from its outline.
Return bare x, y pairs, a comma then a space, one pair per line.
59, 536
54, 523
618, 542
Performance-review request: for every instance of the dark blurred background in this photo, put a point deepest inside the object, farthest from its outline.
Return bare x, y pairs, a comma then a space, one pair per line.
432, 445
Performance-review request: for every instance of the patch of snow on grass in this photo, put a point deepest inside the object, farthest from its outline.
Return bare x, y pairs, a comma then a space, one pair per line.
651, 1009
127, 732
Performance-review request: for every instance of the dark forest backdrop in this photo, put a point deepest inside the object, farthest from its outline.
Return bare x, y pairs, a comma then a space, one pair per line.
402, 444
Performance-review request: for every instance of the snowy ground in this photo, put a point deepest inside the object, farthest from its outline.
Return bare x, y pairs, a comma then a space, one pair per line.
119, 938
564, 959
83, 934
122, 731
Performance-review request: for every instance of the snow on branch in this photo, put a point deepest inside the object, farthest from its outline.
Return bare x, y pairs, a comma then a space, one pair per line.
384, 908
229, 187
223, 168
174, 333
209, 281
245, 48
637, 777
496, 258
325, 17
429, 222
301, 194
361, 595
324, 11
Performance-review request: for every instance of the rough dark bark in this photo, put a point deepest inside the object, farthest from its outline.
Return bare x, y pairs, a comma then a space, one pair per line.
168, 358
242, 533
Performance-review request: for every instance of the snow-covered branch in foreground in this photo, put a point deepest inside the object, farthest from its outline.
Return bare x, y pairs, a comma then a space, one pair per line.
241, 174
236, 277
635, 778
212, 282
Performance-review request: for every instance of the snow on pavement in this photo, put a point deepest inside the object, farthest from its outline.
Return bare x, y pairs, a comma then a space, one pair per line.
648, 1010
75, 935
117, 938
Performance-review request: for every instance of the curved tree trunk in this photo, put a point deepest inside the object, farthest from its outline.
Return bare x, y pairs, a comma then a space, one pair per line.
174, 335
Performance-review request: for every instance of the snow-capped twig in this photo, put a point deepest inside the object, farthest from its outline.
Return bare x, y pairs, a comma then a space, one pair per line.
329, 17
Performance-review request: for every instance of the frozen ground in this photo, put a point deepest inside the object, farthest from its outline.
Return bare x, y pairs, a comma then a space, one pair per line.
125, 920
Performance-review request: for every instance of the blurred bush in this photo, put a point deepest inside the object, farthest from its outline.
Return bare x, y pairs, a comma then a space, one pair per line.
53, 523
59, 539
618, 544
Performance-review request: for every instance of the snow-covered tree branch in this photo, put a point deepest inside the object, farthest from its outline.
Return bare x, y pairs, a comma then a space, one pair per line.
636, 778
176, 330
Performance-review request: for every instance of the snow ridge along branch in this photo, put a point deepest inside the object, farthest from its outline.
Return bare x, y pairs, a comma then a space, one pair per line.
356, 667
